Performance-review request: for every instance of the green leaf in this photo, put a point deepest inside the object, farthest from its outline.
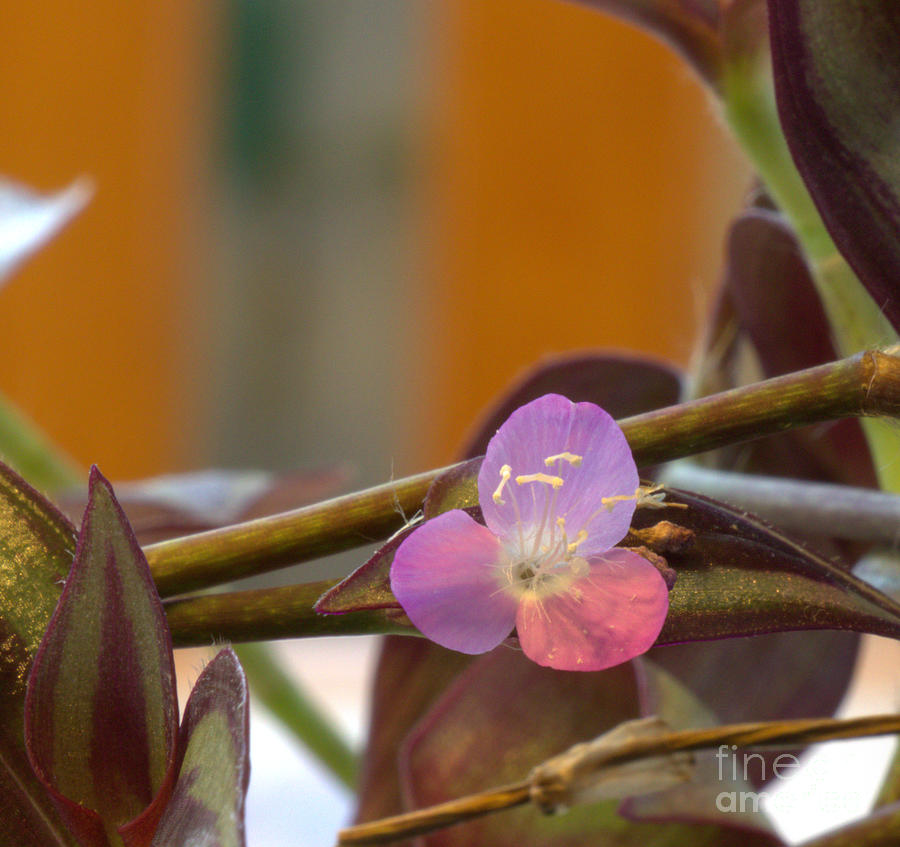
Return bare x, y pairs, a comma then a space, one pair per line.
882, 570
101, 715
24, 447
207, 806
36, 548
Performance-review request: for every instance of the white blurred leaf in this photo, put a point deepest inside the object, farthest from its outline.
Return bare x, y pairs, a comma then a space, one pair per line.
28, 219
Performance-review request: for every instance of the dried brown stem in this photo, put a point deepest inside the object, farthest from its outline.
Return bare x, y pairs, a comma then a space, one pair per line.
790, 733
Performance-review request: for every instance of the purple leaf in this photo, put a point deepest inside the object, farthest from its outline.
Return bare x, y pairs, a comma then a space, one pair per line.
423, 670
369, 586
623, 385
207, 806
502, 716
36, 548
694, 801
101, 714
741, 577
772, 292
837, 83
791, 663
455, 489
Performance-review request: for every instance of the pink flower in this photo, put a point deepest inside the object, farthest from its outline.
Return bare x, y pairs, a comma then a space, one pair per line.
558, 487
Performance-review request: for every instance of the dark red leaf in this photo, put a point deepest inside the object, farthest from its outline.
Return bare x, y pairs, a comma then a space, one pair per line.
837, 83
502, 716
36, 548
741, 577
422, 670
773, 297
101, 714
623, 385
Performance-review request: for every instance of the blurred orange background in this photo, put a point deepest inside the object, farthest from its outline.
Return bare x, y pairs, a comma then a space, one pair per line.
567, 187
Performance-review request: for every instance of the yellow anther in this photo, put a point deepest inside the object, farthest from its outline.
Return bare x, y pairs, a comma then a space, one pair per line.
609, 502
571, 458
505, 474
653, 497
579, 539
555, 481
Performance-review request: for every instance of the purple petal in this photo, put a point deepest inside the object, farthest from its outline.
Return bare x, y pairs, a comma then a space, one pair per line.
608, 617
547, 427
446, 576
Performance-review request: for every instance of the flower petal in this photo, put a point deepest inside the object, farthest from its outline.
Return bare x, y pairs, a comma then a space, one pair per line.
447, 577
608, 617
547, 427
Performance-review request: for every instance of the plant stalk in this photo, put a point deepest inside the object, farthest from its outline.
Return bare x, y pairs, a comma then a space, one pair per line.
865, 384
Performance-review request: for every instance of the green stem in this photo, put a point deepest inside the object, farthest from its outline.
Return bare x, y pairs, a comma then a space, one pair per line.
855, 319
865, 384
270, 613
283, 696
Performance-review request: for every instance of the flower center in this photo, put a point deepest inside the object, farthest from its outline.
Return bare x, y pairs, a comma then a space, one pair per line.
541, 555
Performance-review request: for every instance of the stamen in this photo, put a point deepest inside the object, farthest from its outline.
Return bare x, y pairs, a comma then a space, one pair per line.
505, 474
579, 539
549, 503
609, 502
555, 481
654, 497
566, 456
579, 567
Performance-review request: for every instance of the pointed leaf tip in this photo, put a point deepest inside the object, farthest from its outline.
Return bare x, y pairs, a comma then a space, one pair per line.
207, 806
101, 711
